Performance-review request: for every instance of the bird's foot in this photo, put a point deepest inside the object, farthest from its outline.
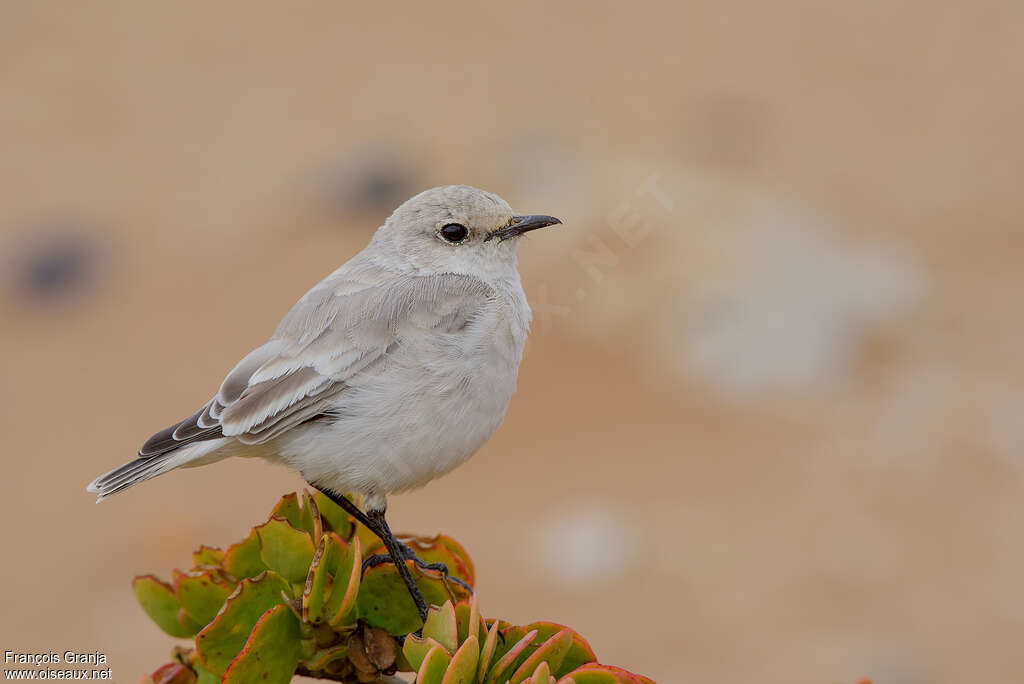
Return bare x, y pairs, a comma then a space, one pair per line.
407, 555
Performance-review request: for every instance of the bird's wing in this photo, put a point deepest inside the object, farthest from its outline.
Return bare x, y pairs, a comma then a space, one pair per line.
341, 327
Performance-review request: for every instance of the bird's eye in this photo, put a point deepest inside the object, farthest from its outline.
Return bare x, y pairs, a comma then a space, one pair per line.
454, 232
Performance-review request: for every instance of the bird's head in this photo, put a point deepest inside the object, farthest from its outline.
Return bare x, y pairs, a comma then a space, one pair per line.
457, 229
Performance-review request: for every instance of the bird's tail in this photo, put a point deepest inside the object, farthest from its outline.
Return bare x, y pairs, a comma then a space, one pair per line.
145, 468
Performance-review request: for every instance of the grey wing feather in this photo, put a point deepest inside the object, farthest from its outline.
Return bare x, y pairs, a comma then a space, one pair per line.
345, 324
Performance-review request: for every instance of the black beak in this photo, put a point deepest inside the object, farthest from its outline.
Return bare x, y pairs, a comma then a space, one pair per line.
522, 224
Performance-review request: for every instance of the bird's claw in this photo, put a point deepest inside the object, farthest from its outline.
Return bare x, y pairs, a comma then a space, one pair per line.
407, 555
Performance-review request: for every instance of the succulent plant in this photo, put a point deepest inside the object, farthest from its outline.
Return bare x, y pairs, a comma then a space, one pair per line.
294, 597
458, 645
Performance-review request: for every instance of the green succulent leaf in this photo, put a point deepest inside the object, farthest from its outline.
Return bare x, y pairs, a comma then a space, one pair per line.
468, 613
509, 636
442, 627
542, 674
316, 582
344, 562
416, 649
271, 653
384, 601
462, 564
204, 676
311, 521
487, 651
595, 673
579, 652
207, 555
322, 659
201, 594
462, 668
242, 559
433, 668
284, 549
161, 605
334, 515
511, 660
221, 640
367, 539
552, 651
288, 509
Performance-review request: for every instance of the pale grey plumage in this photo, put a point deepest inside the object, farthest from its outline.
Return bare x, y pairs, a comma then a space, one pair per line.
391, 371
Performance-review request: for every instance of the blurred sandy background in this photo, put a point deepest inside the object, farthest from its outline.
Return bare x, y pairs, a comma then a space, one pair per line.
769, 424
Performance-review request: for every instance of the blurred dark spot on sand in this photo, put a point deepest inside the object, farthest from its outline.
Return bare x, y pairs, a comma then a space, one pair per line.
55, 261
371, 180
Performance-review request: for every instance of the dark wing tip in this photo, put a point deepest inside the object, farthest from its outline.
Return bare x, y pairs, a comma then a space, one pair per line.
187, 431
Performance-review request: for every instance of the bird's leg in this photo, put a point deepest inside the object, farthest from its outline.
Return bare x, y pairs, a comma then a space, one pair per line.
381, 529
405, 552
351, 509
375, 522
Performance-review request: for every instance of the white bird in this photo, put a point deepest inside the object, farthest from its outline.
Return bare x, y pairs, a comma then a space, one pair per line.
390, 372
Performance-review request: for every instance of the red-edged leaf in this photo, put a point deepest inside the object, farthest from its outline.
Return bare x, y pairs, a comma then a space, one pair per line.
271, 653
158, 600
221, 640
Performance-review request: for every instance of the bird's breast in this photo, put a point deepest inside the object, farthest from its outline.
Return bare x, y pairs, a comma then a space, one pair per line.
426, 408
